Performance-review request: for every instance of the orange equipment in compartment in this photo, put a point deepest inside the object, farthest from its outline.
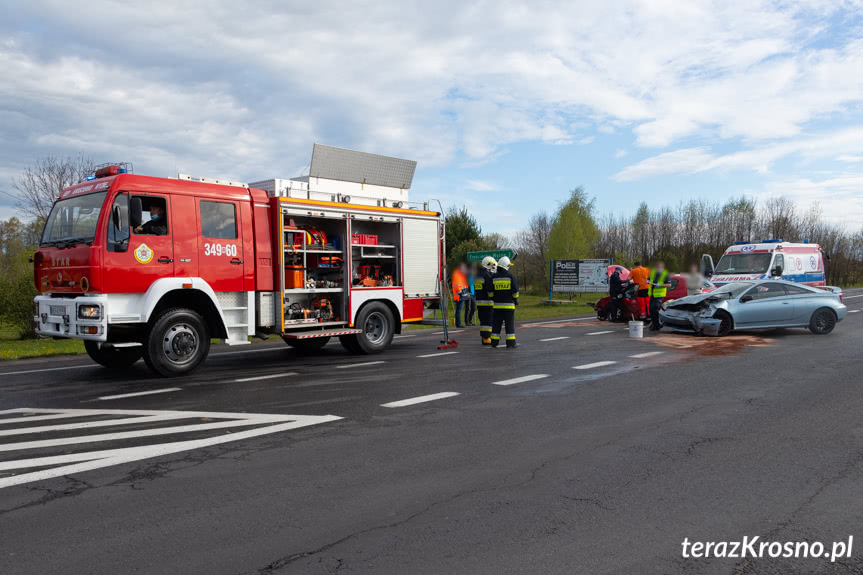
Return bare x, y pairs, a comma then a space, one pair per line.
293, 276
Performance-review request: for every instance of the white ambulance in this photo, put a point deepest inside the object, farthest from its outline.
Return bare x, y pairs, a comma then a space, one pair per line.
797, 262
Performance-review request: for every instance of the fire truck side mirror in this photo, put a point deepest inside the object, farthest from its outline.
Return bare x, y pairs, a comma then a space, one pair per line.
134, 212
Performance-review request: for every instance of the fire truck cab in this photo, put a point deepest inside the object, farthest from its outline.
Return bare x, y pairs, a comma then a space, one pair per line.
140, 266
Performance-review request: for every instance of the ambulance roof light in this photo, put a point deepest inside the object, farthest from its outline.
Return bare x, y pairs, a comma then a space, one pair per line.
780, 240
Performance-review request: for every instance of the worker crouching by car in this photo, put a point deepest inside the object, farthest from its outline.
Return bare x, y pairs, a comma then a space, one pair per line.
483, 285
504, 294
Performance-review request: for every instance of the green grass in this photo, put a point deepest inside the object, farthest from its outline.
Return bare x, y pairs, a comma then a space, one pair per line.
12, 347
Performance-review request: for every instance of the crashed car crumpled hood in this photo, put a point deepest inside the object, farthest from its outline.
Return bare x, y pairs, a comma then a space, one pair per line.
693, 299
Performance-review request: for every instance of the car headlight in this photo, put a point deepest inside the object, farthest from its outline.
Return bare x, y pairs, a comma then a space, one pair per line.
89, 312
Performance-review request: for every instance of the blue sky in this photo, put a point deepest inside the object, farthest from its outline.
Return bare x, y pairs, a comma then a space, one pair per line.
505, 105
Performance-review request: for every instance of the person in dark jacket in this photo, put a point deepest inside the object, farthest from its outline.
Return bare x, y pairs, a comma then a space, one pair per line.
156, 225
616, 288
505, 297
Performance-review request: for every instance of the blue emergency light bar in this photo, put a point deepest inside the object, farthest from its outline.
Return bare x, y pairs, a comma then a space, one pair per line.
772, 241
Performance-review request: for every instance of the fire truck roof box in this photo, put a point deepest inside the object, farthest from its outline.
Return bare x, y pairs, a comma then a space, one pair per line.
340, 175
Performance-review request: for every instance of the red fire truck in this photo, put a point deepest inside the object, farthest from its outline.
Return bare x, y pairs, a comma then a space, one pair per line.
140, 266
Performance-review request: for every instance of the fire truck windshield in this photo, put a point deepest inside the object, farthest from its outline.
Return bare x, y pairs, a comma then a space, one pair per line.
73, 220
743, 264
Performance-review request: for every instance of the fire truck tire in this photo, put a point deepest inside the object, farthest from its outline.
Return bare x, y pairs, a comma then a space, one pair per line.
378, 327
308, 346
113, 357
177, 342
350, 343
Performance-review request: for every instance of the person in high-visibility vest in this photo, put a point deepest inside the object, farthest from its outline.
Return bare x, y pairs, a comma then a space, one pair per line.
504, 294
459, 289
659, 285
482, 287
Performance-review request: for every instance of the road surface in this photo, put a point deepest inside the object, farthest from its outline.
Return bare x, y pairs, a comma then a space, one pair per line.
582, 451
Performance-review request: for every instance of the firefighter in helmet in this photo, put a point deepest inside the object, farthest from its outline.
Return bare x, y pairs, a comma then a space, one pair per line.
482, 287
504, 294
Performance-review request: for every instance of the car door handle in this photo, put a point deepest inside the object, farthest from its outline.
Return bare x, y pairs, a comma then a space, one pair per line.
164, 260
236, 262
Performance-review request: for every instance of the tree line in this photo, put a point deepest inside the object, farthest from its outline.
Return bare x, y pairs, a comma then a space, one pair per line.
680, 235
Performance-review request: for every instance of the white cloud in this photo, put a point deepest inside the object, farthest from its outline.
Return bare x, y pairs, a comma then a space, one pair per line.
620, 153
701, 159
480, 186
840, 197
243, 89
849, 159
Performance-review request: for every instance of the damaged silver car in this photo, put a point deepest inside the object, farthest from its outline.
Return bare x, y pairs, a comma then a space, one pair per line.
756, 304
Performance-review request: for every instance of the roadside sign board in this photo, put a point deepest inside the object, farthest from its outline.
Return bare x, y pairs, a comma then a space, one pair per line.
496, 254
579, 275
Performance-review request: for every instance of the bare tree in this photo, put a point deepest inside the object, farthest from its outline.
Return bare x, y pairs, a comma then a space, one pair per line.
40, 185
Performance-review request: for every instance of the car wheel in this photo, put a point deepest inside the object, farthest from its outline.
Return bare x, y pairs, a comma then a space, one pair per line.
822, 321
177, 343
308, 346
350, 343
726, 323
602, 314
378, 327
113, 357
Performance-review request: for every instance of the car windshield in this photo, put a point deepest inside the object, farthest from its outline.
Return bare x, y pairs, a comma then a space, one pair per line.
73, 220
732, 290
743, 264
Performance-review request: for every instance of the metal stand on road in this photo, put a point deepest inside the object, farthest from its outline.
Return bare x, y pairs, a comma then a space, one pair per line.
446, 343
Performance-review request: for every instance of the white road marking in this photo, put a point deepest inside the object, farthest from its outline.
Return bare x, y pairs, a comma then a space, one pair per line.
851, 296
559, 321
74, 463
361, 364
646, 354
853, 310
593, 365
438, 354
449, 331
260, 377
139, 393
555, 338
420, 399
402, 336
599, 332
47, 369
522, 379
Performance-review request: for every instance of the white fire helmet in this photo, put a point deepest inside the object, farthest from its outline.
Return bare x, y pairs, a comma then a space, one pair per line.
504, 263
489, 263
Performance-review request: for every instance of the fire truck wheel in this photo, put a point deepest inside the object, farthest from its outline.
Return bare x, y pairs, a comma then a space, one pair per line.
378, 327
309, 346
113, 357
177, 343
350, 343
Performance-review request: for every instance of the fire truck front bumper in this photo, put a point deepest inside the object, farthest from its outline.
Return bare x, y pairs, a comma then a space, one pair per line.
82, 317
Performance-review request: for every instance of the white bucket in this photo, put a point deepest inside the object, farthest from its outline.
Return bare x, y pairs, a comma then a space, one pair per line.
636, 329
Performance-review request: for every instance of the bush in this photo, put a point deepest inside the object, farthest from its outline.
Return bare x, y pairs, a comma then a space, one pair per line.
16, 299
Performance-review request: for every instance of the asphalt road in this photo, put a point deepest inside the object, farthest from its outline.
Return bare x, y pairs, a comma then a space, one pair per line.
543, 459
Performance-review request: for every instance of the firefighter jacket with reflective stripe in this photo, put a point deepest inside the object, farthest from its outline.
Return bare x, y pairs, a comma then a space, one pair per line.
482, 284
658, 278
504, 292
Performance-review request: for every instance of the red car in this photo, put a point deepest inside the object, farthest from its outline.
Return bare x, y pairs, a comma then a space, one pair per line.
628, 309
